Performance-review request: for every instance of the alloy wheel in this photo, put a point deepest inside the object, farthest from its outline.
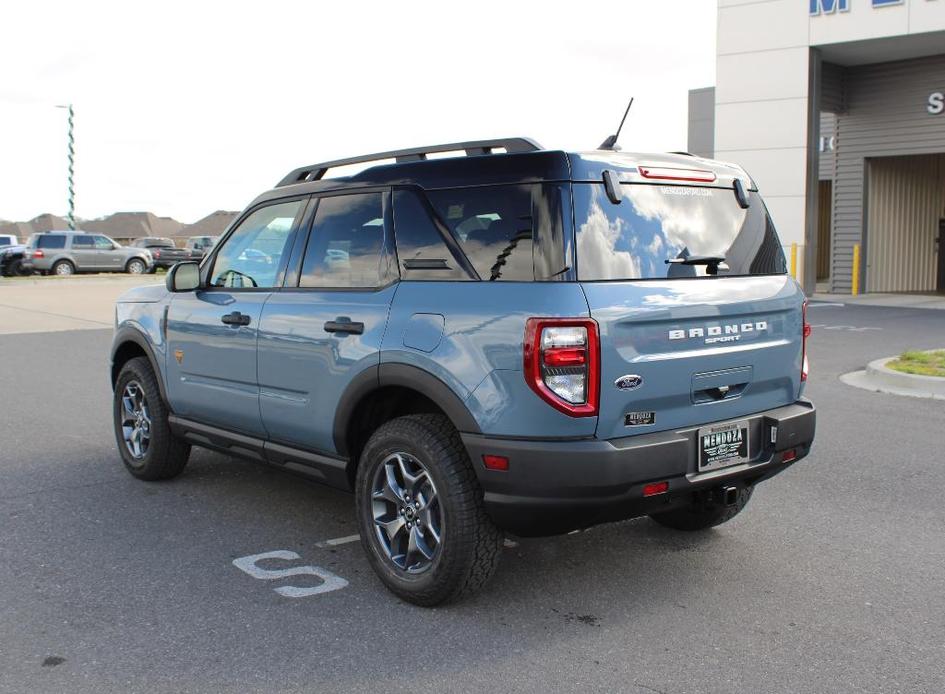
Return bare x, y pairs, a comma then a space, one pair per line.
135, 420
408, 520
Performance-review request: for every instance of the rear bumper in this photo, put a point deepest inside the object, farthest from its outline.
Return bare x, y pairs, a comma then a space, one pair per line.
557, 486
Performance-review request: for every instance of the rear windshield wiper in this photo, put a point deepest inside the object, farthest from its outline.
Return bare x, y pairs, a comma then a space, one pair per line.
713, 263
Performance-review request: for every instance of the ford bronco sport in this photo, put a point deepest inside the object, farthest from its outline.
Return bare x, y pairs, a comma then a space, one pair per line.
515, 340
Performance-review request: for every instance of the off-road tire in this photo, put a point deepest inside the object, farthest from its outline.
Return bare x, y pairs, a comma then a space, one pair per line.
67, 268
470, 545
703, 514
166, 455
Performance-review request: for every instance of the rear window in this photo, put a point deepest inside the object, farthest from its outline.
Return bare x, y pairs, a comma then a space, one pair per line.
50, 241
655, 229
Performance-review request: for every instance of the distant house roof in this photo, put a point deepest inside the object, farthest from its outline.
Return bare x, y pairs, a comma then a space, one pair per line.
213, 224
125, 225
133, 225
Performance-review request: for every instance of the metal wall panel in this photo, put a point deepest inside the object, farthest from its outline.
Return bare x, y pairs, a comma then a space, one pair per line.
884, 114
906, 201
702, 122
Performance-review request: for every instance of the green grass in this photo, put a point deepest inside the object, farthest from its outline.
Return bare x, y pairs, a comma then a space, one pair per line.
921, 363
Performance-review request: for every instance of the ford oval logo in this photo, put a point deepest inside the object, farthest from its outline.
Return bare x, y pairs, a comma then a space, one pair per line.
629, 382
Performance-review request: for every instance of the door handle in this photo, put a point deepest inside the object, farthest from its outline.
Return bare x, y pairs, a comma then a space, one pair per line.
343, 324
235, 318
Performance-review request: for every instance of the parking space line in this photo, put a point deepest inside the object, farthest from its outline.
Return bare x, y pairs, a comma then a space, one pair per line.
338, 541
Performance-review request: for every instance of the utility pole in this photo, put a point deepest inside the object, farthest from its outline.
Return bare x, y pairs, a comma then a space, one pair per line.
70, 216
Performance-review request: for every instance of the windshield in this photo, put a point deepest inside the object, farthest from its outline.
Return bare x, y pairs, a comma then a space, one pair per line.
660, 232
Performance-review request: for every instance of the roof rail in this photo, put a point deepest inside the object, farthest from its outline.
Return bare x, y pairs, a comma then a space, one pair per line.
315, 172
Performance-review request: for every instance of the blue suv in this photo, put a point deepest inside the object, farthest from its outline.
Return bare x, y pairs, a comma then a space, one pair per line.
499, 338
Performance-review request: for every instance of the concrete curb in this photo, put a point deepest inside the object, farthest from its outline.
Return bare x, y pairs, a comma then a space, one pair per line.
880, 378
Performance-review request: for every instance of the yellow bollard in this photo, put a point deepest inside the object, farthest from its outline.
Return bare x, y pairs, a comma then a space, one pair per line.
855, 284
794, 260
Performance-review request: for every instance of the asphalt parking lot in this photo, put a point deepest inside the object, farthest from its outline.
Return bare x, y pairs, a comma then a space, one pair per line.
831, 581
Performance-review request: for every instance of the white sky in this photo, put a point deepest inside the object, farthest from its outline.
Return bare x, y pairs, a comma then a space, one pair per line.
186, 108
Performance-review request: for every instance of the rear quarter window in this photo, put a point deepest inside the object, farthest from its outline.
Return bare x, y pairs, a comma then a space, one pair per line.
493, 225
50, 241
656, 226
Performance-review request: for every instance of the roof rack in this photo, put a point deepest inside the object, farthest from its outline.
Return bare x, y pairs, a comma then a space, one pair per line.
316, 172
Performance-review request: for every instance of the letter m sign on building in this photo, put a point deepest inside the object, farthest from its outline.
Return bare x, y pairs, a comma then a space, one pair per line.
829, 6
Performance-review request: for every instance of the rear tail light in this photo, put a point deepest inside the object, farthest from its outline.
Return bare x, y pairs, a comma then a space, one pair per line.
37, 254
805, 331
156, 254
562, 363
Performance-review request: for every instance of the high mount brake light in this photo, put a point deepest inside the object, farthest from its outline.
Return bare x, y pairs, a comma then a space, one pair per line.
660, 173
562, 363
805, 333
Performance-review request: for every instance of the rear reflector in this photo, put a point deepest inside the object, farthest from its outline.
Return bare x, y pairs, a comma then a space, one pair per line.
495, 462
788, 456
655, 488
667, 174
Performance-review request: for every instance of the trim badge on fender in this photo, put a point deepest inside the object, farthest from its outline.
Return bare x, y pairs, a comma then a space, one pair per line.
629, 382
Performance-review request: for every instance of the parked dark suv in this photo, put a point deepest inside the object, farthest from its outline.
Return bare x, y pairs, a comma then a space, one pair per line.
515, 340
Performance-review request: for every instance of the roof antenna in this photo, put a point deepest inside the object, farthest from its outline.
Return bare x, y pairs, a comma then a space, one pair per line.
611, 142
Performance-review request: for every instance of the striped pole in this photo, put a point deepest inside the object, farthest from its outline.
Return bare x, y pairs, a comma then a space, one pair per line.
71, 213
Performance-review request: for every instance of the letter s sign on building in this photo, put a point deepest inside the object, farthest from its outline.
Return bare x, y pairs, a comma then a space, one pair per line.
936, 103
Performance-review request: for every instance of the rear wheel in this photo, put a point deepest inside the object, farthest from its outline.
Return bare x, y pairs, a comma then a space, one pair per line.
147, 447
705, 512
421, 514
135, 266
17, 269
63, 268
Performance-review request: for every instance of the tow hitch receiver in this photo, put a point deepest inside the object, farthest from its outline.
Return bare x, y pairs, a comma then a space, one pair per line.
729, 496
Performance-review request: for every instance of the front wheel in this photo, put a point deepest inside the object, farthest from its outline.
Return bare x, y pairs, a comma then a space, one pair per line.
147, 447
705, 511
135, 267
420, 512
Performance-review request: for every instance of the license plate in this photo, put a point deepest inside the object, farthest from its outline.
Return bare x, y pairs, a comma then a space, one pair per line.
723, 445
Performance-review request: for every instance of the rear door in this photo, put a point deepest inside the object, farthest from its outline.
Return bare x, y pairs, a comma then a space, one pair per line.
212, 332
686, 337
326, 326
84, 254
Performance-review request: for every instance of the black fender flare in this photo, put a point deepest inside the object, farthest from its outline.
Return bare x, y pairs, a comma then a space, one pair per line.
127, 334
407, 376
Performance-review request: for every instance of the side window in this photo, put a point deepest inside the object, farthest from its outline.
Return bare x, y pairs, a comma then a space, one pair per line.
82, 241
103, 244
51, 241
251, 255
346, 246
422, 253
494, 227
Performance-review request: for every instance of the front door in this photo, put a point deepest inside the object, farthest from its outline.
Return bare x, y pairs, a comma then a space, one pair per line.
212, 332
108, 254
327, 328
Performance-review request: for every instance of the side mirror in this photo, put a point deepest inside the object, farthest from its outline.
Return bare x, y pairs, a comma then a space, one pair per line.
183, 277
